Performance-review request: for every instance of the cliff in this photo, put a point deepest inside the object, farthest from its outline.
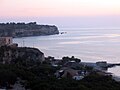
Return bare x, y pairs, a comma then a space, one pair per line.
24, 30
29, 56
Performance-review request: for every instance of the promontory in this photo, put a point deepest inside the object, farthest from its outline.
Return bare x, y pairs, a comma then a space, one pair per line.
26, 29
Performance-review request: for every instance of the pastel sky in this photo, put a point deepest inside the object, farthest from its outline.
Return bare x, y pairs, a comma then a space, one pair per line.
59, 8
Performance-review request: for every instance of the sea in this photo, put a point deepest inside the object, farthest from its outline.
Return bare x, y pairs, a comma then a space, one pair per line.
88, 44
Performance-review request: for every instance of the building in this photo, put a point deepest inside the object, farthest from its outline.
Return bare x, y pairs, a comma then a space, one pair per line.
77, 77
5, 41
66, 72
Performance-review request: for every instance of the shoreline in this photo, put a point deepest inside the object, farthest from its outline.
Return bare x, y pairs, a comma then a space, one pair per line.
101, 66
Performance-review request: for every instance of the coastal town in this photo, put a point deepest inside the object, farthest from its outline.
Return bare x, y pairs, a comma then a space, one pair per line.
59, 44
67, 67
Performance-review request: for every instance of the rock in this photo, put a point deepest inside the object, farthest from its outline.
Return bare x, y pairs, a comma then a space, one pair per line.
24, 30
23, 54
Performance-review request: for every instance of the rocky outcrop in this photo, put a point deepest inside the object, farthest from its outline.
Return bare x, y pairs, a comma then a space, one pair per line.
24, 30
24, 55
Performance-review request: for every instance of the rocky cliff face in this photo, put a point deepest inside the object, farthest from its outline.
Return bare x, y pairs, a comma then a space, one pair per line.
24, 30
26, 55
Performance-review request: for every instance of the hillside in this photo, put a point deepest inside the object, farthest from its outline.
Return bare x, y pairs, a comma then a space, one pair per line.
26, 29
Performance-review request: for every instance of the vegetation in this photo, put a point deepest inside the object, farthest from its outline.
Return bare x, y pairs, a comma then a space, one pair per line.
67, 59
41, 77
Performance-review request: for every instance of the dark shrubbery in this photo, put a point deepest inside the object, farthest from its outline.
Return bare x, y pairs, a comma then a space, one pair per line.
42, 78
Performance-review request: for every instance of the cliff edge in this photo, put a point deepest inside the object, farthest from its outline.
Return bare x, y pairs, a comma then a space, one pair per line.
27, 55
24, 30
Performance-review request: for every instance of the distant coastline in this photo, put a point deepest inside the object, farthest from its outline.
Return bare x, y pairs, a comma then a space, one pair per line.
26, 29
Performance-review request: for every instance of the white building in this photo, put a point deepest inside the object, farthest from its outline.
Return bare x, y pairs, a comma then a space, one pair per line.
78, 77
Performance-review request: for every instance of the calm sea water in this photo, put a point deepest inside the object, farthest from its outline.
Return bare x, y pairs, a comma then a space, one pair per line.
89, 45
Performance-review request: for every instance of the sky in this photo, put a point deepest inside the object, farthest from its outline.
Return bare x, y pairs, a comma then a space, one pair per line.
64, 13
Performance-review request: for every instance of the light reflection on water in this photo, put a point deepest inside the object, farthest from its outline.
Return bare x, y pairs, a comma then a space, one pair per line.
115, 70
88, 44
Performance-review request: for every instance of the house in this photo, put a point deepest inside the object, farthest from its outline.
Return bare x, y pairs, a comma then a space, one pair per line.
77, 77
67, 72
